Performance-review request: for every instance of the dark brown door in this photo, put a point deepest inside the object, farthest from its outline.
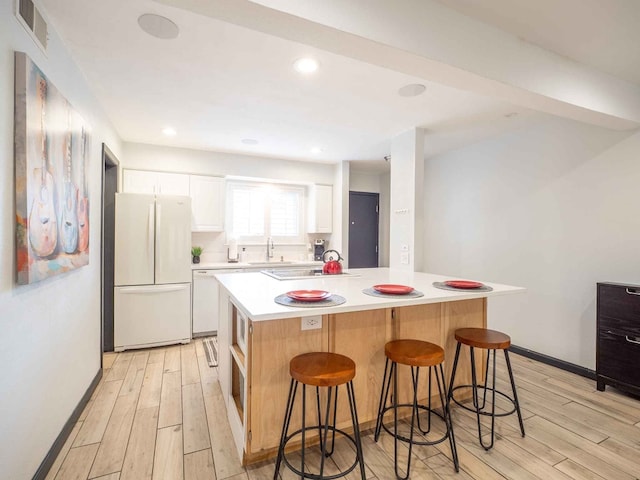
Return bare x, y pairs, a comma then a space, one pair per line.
363, 229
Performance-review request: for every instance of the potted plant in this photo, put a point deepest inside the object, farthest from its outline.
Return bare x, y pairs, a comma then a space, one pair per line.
195, 254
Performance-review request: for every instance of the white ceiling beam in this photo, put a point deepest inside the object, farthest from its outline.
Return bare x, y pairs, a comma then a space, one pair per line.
428, 40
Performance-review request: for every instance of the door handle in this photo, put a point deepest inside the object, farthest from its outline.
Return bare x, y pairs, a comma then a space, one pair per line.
632, 291
632, 341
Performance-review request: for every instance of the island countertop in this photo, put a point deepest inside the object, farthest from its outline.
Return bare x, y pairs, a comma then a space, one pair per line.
255, 292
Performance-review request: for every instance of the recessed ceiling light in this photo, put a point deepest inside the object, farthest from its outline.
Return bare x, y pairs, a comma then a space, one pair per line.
158, 26
168, 131
249, 141
316, 150
411, 90
305, 65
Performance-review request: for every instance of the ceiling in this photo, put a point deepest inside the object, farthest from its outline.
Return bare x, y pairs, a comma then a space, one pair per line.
220, 82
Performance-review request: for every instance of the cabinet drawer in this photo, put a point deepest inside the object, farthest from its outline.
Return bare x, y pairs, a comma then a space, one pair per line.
619, 308
619, 357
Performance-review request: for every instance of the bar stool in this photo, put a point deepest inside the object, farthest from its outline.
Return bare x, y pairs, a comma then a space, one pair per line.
416, 354
490, 340
320, 369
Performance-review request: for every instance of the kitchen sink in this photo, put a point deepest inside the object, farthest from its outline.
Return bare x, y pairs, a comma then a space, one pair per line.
298, 273
268, 264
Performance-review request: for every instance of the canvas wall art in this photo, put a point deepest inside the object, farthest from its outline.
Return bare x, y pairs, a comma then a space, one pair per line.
52, 200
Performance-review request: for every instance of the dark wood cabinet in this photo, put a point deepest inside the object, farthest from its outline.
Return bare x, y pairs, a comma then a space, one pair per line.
618, 336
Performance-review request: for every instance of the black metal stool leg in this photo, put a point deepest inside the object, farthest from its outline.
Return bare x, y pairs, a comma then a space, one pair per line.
476, 401
325, 437
486, 377
414, 414
356, 428
493, 405
384, 394
333, 425
293, 387
425, 432
319, 413
515, 395
446, 415
304, 410
394, 373
453, 374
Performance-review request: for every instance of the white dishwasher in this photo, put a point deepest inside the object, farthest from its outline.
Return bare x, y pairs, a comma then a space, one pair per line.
205, 301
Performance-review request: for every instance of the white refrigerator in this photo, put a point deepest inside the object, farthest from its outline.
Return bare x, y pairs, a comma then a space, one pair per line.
152, 271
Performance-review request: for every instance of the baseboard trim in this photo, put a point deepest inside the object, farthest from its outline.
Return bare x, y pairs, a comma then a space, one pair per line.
56, 448
554, 362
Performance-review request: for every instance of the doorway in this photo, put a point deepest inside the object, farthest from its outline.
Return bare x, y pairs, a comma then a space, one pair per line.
109, 188
363, 229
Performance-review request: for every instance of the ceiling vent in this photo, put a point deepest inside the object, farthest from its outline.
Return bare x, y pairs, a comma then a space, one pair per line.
32, 20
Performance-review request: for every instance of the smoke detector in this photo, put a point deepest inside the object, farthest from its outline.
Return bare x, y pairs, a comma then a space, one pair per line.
158, 26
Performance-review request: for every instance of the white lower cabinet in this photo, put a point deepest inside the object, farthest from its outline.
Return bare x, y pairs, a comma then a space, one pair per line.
205, 302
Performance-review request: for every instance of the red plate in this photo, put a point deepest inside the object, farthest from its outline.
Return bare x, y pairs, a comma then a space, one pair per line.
393, 289
308, 295
463, 284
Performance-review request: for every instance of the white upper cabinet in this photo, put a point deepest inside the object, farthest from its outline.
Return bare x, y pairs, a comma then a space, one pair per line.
320, 211
207, 203
173, 183
161, 183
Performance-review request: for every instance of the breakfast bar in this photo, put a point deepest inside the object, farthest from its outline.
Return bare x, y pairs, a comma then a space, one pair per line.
258, 337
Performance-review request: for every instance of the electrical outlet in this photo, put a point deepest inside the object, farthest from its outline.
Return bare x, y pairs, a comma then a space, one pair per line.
311, 323
404, 258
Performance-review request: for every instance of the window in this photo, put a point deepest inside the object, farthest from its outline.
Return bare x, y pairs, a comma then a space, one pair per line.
257, 211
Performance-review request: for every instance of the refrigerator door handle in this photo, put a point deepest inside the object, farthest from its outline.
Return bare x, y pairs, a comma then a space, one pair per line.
158, 226
153, 290
150, 234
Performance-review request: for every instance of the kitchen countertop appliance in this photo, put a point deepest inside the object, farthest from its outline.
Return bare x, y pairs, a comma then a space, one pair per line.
318, 249
332, 265
152, 294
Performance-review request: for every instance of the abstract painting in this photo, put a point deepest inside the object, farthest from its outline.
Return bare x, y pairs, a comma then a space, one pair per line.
52, 199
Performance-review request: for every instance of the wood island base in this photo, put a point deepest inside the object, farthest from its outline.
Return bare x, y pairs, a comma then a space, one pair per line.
361, 336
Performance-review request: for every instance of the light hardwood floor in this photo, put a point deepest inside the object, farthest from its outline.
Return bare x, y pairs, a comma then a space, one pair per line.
158, 414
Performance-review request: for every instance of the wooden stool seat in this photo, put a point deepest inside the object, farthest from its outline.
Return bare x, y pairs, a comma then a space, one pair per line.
415, 353
322, 369
483, 338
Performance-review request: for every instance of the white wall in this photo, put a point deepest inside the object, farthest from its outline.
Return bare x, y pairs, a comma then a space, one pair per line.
553, 208
406, 202
360, 181
385, 214
154, 157
50, 331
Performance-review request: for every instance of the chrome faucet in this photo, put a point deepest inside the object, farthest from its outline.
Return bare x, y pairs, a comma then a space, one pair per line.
269, 252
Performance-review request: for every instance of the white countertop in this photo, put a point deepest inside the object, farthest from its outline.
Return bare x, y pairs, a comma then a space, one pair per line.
247, 265
254, 292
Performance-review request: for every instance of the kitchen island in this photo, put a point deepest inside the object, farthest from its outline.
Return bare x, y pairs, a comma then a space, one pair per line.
258, 337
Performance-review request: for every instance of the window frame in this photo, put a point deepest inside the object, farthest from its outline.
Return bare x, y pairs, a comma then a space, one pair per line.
268, 187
